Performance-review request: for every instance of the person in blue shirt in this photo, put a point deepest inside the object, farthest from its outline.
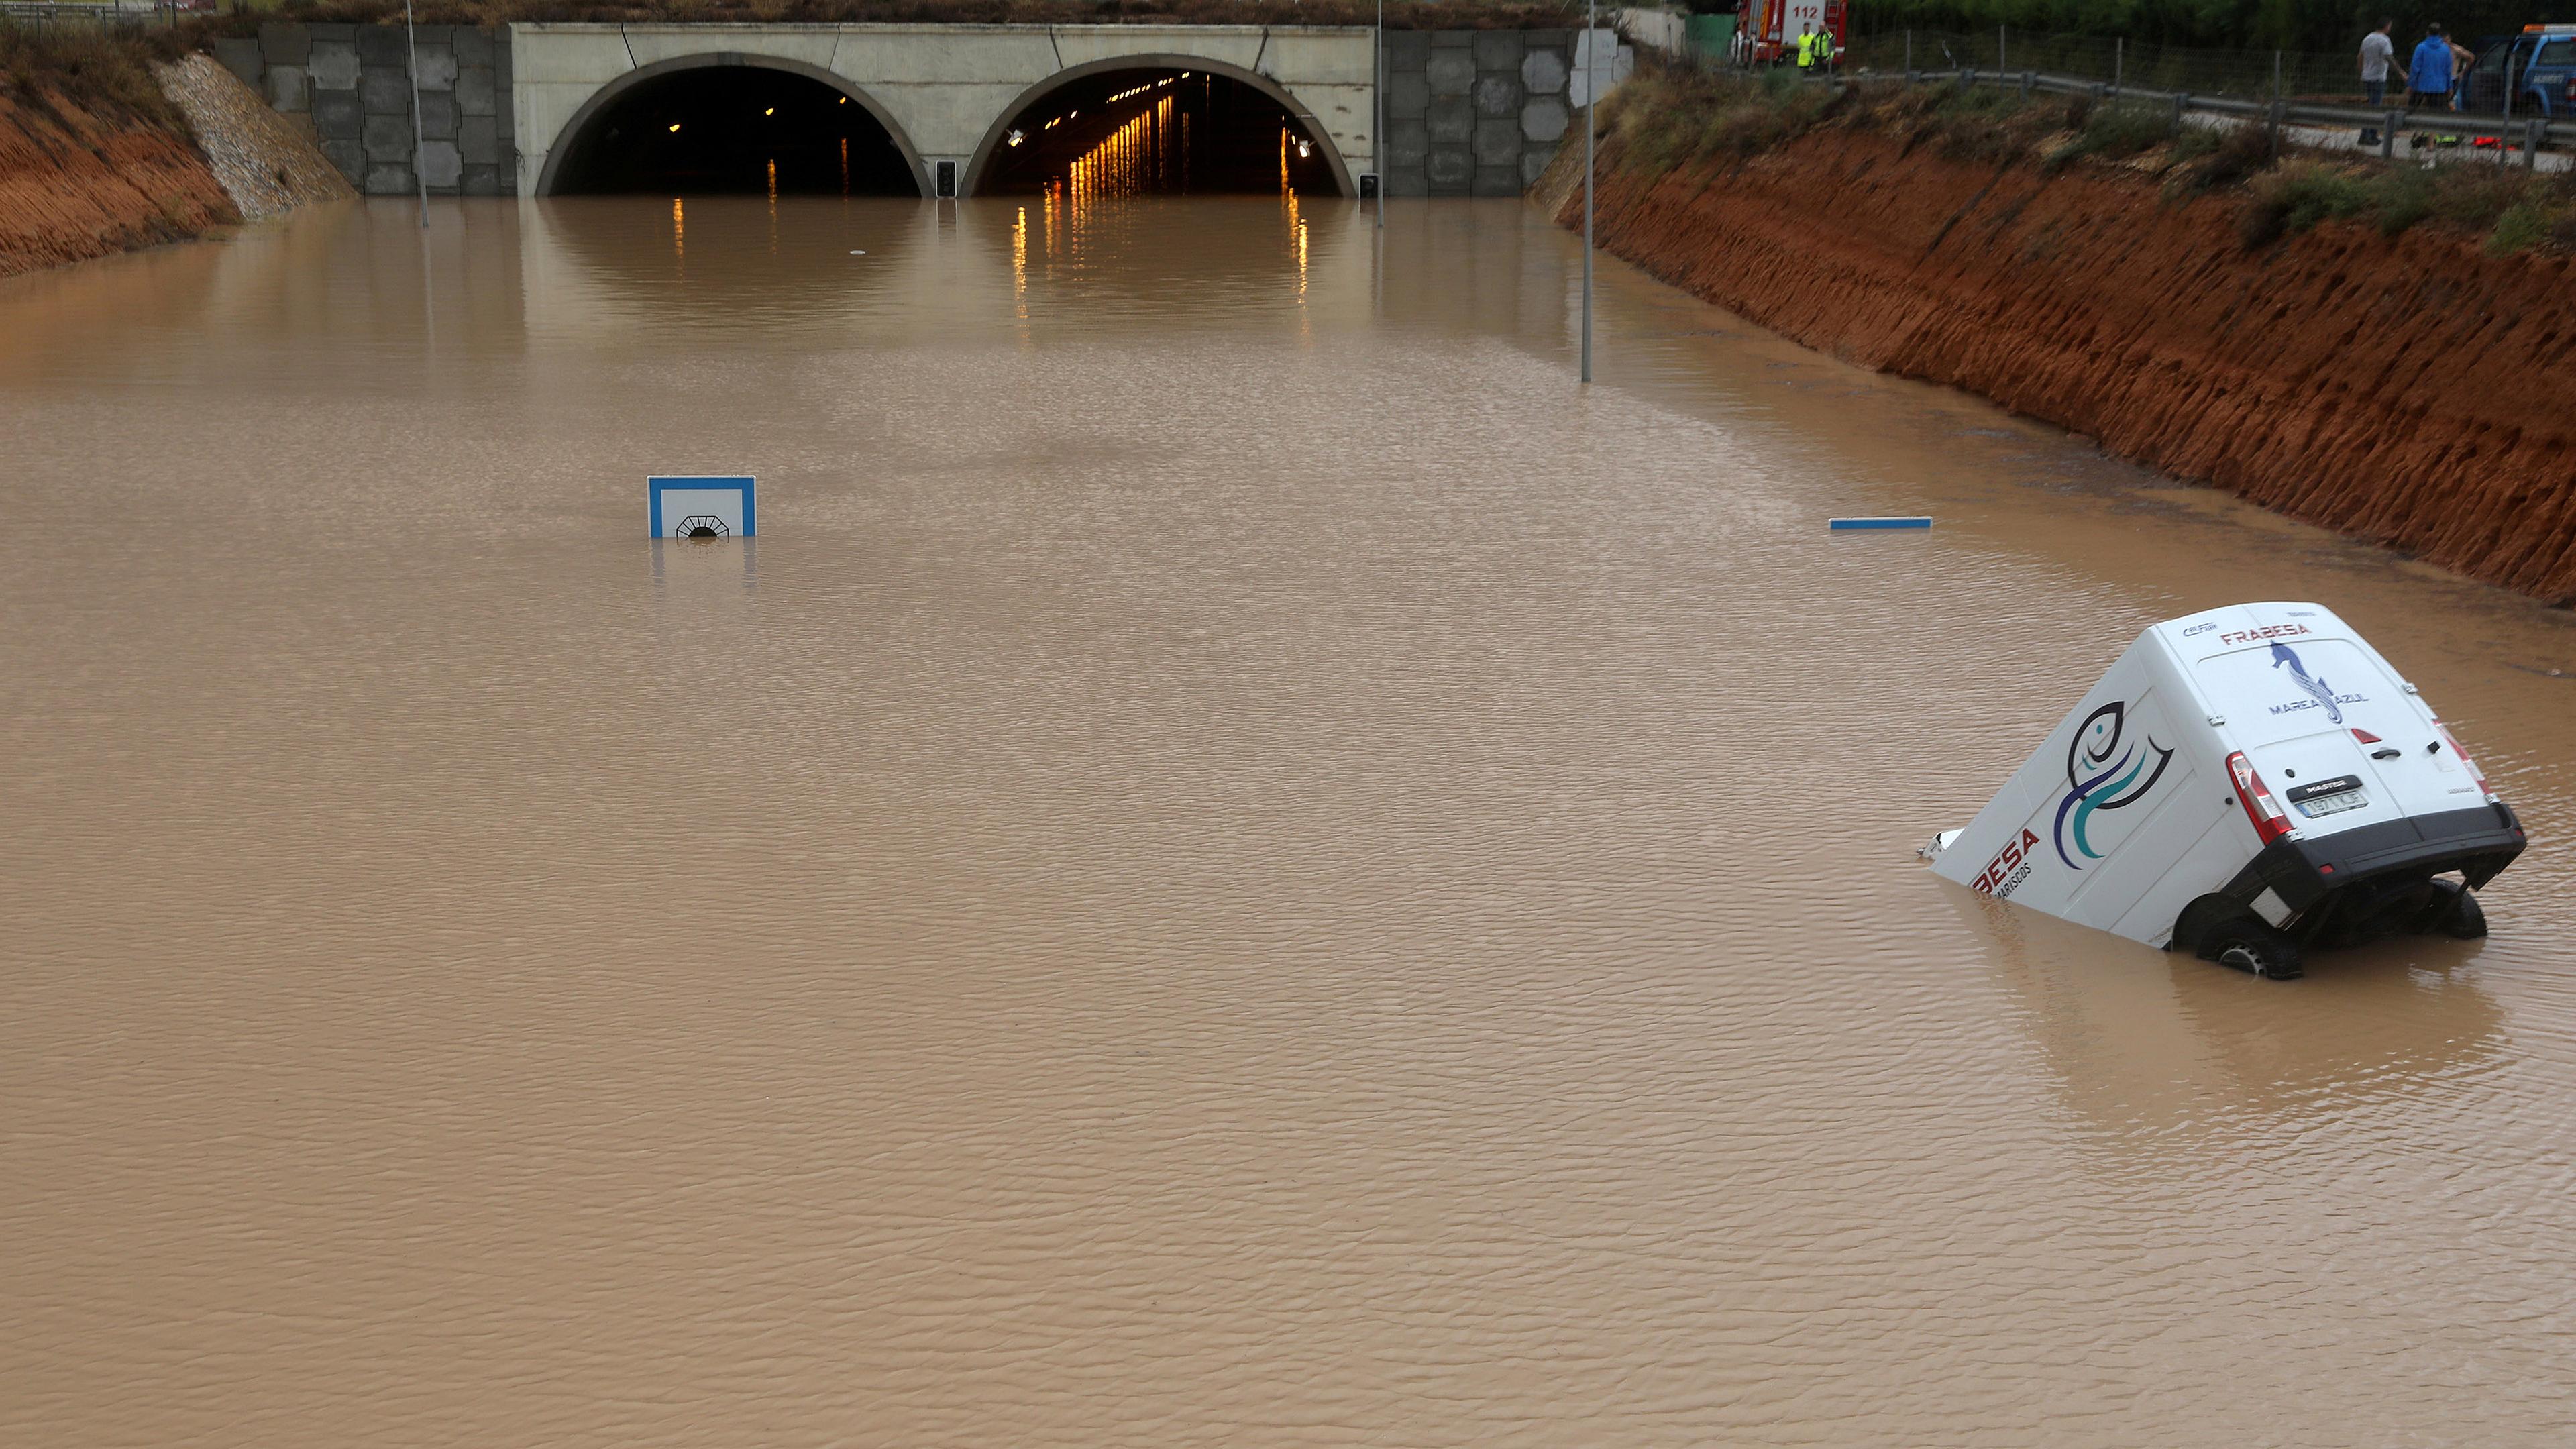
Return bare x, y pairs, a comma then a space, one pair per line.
2428, 75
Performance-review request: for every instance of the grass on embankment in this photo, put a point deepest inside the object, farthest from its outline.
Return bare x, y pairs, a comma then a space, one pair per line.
105, 72
1669, 118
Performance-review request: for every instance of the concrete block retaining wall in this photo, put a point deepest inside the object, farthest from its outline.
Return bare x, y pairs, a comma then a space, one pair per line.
1474, 112
349, 86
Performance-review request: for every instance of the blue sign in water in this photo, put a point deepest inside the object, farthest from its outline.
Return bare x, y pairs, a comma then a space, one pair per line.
1844, 525
701, 507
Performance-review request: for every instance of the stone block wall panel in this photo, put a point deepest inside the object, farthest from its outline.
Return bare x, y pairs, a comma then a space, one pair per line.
1450, 122
478, 141
438, 63
1544, 121
1407, 95
337, 116
437, 118
286, 44
475, 93
440, 165
1451, 72
384, 92
380, 45
334, 65
388, 138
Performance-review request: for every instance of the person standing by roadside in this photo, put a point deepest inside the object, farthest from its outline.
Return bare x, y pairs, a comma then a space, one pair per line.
2428, 73
2461, 59
2377, 51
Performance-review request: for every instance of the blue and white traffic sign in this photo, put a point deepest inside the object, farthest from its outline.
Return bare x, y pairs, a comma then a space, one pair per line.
701, 507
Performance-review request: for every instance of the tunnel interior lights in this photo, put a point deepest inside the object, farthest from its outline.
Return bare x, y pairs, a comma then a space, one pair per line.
1133, 91
1017, 137
773, 110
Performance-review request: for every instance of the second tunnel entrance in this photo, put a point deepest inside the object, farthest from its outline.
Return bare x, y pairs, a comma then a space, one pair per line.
1156, 130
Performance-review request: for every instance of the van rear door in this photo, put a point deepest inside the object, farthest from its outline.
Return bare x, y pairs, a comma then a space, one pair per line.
2333, 732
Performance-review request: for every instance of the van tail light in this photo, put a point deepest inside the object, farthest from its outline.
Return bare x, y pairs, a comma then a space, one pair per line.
2462, 755
2270, 822
2365, 736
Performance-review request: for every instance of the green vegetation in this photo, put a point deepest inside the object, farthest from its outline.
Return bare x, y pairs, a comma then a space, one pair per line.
1672, 118
2115, 133
2515, 210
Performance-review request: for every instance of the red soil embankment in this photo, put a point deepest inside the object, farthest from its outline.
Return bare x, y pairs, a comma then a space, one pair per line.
74, 184
2416, 391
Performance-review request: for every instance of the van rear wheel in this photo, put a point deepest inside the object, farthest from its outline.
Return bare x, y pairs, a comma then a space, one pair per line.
2255, 949
2467, 920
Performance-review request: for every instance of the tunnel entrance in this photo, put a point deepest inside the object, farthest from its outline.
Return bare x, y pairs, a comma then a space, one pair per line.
1153, 130
734, 129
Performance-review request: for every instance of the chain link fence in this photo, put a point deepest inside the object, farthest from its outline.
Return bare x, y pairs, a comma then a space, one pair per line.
34, 14
2248, 75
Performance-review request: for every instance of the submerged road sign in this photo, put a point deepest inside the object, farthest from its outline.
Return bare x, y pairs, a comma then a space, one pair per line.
707, 507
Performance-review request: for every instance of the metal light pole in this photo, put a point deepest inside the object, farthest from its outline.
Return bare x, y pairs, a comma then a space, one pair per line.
1591, 97
411, 38
1377, 135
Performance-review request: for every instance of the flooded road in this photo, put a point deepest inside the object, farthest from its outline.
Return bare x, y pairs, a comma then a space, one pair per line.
1240, 863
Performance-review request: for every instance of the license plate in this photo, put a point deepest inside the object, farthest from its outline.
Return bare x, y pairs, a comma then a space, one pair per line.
2329, 804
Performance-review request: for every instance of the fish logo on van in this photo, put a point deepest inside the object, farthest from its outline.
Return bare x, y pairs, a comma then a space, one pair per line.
2102, 773
2317, 689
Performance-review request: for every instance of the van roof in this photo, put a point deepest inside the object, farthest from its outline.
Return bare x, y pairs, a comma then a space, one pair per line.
2237, 626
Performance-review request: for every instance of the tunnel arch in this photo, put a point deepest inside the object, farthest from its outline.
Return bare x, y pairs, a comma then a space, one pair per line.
568, 142
1020, 105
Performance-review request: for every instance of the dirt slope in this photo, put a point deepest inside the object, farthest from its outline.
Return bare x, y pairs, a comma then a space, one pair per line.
74, 184
2415, 391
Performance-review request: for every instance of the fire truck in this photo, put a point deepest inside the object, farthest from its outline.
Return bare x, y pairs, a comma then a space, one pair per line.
1769, 34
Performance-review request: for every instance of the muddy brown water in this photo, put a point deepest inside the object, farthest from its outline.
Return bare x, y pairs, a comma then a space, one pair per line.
1240, 863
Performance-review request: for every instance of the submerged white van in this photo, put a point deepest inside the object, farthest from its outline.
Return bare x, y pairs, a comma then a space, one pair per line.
2245, 782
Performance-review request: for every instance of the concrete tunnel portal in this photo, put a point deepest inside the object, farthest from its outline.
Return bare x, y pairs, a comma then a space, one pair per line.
740, 126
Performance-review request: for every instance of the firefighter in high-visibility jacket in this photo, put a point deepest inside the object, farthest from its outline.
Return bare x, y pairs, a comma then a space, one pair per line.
1816, 52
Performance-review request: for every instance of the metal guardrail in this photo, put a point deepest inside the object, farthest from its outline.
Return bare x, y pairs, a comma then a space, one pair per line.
2531, 133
